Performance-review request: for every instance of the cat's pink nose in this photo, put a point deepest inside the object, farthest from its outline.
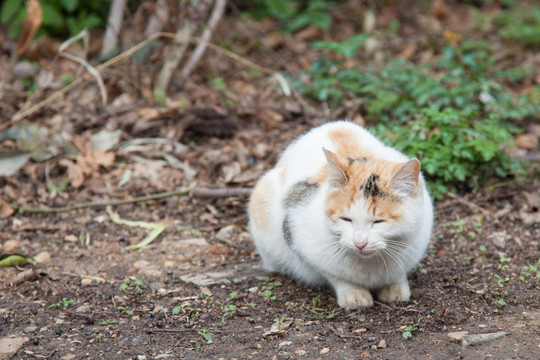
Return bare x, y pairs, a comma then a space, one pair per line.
361, 245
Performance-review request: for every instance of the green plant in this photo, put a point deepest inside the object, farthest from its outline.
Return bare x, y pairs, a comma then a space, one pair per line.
456, 149
131, 285
207, 335
522, 24
64, 302
59, 16
294, 15
407, 331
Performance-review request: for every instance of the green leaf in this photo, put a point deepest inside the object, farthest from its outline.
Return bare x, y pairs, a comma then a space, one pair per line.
207, 335
9, 10
70, 5
15, 260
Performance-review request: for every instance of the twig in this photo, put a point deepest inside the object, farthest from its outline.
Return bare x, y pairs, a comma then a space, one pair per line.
395, 307
196, 192
469, 204
217, 12
178, 192
177, 50
219, 193
91, 70
114, 23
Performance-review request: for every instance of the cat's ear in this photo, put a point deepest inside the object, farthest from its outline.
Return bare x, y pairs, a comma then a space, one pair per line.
405, 179
336, 175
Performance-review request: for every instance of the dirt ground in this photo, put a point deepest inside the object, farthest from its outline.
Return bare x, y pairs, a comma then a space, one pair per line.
198, 290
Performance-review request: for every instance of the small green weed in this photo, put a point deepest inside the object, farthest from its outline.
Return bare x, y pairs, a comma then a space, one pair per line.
128, 285
64, 302
530, 271
407, 331
455, 226
125, 310
207, 335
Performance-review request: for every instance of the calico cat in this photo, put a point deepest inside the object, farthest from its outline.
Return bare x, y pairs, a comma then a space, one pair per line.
342, 209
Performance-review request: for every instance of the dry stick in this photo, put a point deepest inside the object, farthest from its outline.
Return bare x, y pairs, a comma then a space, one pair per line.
217, 12
126, 54
196, 192
219, 193
114, 23
179, 47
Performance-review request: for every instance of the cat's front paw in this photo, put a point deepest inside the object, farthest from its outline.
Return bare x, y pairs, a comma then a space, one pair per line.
352, 298
395, 293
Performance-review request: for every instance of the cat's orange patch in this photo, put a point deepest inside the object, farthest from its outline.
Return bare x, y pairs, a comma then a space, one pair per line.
320, 176
384, 206
261, 202
347, 145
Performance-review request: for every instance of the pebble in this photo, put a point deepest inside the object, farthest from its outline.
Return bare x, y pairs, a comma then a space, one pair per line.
300, 352
457, 335
382, 344
24, 69
43, 257
325, 351
285, 343
481, 338
365, 355
58, 331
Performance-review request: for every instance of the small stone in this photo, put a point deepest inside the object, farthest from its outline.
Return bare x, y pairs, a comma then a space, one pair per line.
284, 343
382, 344
365, 355
481, 338
228, 234
92, 280
70, 238
68, 357
360, 331
325, 351
457, 335
30, 329
58, 331
371, 339
43, 257
24, 69
300, 352
141, 264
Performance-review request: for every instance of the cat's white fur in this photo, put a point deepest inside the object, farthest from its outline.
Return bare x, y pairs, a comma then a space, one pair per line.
323, 252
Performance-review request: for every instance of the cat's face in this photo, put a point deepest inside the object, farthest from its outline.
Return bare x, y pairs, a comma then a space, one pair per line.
369, 203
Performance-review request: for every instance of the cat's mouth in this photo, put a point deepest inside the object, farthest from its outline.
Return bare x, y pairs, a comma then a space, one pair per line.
366, 254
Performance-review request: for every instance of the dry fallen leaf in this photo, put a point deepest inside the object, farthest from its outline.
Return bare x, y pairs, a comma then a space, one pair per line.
5, 209
32, 22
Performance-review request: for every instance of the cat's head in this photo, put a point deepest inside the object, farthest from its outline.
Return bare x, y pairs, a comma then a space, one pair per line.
373, 204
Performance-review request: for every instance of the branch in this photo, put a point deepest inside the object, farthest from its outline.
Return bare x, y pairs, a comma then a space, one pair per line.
196, 192
217, 12
114, 23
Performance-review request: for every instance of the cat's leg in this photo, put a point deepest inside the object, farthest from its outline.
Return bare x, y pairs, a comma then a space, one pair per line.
351, 296
398, 292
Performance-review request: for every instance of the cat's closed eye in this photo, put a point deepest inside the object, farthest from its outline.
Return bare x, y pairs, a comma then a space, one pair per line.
346, 219
378, 221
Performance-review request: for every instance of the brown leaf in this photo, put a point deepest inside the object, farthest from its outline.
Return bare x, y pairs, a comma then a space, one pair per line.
5, 209
75, 173
26, 275
32, 22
